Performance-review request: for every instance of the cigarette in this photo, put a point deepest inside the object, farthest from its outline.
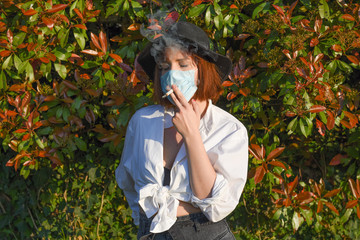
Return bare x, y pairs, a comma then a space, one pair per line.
168, 93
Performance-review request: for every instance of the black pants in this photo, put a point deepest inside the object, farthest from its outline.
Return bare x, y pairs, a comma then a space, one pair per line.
193, 227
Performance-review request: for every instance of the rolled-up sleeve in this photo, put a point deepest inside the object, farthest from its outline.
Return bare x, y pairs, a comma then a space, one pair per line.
123, 176
230, 161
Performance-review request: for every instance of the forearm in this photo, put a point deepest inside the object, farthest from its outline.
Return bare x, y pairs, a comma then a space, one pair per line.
202, 173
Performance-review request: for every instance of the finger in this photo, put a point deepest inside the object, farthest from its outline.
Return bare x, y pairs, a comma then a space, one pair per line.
196, 107
180, 96
176, 100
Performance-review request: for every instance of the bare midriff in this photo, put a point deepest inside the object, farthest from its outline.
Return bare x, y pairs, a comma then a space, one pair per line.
186, 208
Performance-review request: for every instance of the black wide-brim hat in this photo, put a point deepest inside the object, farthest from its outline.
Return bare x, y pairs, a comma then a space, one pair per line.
195, 38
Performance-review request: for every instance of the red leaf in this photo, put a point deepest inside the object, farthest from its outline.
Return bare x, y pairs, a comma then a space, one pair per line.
348, 17
353, 59
279, 9
346, 124
244, 91
57, 8
51, 56
103, 41
116, 57
242, 36
256, 151
77, 11
353, 188
76, 59
70, 85
314, 42
358, 211
292, 185
10, 36
227, 83
90, 52
134, 27
5, 53
197, 2
317, 108
301, 72
173, 16
332, 193
351, 204
155, 27
336, 48
332, 207
230, 96
278, 164
48, 22
105, 67
44, 60
95, 40
330, 120
82, 26
319, 206
259, 174
233, 6
30, 12
290, 114
336, 160
20, 130
275, 153
321, 127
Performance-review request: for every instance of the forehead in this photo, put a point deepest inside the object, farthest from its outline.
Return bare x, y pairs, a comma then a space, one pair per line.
175, 54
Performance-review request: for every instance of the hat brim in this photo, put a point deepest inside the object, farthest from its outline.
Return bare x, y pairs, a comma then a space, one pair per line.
223, 63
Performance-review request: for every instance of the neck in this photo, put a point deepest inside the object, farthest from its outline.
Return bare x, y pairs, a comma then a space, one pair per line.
203, 106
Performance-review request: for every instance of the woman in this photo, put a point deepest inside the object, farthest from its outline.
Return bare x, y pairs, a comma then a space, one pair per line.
184, 162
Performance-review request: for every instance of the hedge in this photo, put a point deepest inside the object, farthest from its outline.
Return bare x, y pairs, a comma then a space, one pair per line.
69, 83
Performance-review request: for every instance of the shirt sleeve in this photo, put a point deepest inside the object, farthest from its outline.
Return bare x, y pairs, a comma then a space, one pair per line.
230, 161
123, 174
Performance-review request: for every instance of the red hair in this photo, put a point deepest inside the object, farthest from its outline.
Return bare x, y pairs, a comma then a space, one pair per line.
209, 86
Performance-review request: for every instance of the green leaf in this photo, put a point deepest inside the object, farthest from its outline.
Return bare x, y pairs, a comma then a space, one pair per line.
7, 63
81, 144
79, 35
324, 9
217, 8
207, 16
302, 127
19, 39
59, 112
63, 36
197, 10
92, 174
332, 66
344, 218
344, 66
262, 7
38, 141
66, 114
3, 83
30, 72
17, 62
82, 112
61, 54
61, 70
76, 104
297, 220
323, 117
307, 215
126, 6
292, 125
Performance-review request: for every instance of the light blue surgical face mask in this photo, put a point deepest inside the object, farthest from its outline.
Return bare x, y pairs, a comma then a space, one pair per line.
184, 80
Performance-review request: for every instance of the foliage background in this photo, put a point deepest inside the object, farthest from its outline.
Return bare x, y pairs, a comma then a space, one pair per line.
68, 88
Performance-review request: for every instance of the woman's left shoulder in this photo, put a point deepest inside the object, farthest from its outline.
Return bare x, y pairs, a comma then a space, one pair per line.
223, 117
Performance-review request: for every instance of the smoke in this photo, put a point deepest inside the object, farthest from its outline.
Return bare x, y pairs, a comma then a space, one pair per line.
162, 32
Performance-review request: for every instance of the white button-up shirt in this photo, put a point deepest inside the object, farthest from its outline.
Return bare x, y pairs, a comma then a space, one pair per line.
141, 170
